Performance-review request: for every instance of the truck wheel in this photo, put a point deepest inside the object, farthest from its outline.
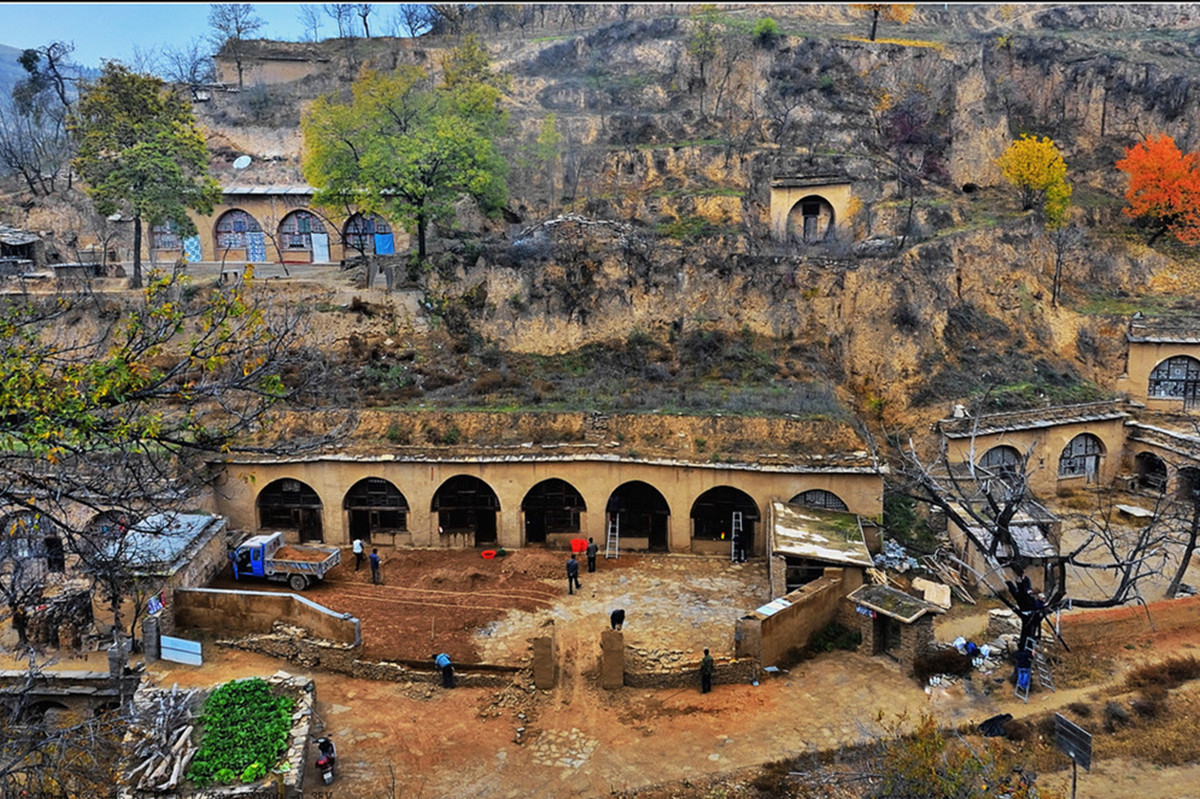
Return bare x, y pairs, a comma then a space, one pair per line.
298, 582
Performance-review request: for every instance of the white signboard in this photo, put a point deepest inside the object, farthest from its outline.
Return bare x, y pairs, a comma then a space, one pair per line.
180, 650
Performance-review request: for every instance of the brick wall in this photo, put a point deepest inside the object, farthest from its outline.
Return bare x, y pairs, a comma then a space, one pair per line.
227, 612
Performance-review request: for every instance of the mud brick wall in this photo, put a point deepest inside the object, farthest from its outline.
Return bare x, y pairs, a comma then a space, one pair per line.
769, 638
1122, 625
225, 612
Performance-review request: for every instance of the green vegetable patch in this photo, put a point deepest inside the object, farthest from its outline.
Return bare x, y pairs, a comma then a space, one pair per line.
246, 728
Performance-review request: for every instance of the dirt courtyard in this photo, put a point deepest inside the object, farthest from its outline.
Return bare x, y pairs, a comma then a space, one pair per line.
484, 611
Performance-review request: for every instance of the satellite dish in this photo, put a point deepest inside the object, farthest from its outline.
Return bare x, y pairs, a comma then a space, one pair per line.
241, 162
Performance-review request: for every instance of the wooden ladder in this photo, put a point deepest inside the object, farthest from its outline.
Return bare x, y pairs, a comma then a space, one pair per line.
614, 536
1041, 666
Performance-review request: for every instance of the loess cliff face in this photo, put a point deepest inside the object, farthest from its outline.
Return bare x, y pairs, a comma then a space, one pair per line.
640, 272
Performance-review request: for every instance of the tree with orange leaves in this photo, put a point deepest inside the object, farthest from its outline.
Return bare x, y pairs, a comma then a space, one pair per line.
899, 13
1164, 188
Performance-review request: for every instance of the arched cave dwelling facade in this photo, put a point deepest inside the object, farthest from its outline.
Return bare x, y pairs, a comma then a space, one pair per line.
668, 507
809, 209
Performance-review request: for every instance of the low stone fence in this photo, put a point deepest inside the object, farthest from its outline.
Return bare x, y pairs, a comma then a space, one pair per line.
768, 637
249, 612
687, 674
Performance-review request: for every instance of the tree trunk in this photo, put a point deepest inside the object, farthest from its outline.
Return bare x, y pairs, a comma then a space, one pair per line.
421, 236
874, 23
137, 252
1186, 560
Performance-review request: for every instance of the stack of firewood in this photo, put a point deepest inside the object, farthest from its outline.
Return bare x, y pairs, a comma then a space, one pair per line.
163, 727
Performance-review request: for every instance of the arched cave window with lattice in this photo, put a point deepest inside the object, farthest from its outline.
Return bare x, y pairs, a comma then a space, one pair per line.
819, 498
232, 228
1081, 457
1176, 378
297, 229
166, 237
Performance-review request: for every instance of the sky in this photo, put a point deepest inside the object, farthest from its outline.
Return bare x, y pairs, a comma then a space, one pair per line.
118, 30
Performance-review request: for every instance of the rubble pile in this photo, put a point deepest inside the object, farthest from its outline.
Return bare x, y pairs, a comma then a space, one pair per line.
895, 557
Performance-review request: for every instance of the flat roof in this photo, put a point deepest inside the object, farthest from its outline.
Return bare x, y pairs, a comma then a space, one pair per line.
826, 535
892, 602
1038, 418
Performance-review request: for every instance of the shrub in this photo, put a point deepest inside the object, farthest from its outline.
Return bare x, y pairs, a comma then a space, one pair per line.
398, 433
835, 636
1151, 703
1115, 715
766, 32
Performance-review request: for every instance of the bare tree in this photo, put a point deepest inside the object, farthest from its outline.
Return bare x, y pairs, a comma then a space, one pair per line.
46, 72
189, 65
447, 18
363, 10
35, 146
310, 18
985, 505
232, 24
342, 15
1066, 239
416, 19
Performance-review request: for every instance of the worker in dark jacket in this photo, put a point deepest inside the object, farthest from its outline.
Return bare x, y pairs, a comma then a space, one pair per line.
572, 575
592, 549
706, 672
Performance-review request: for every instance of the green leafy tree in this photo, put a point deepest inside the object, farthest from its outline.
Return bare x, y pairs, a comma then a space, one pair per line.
702, 43
766, 32
408, 151
139, 152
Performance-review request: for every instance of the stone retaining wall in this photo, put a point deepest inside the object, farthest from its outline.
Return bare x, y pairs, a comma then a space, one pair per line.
295, 646
743, 671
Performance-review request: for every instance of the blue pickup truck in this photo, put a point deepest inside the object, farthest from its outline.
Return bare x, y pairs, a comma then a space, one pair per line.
268, 557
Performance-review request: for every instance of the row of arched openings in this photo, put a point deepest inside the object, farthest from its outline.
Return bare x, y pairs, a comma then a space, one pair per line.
467, 505
302, 235
1151, 475
1080, 458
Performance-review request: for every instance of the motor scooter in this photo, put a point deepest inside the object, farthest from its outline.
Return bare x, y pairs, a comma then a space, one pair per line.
328, 759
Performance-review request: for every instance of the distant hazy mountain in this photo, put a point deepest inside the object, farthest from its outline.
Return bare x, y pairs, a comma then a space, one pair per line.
11, 71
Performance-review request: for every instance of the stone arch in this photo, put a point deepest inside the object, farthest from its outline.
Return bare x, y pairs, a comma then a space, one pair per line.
1002, 461
237, 231
1187, 484
552, 506
1178, 377
811, 220
375, 505
789, 193
290, 504
296, 231
821, 499
30, 536
642, 512
1151, 472
467, 505
712, 515
1081, 457
362, 232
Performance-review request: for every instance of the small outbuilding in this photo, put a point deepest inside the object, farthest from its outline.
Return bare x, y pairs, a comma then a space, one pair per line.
894, 623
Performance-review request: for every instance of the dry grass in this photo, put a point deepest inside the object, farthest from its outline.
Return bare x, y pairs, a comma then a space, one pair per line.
1169, 673
1082, 667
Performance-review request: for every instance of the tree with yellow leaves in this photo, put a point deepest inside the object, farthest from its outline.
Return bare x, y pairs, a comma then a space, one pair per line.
899, 13
1037, 169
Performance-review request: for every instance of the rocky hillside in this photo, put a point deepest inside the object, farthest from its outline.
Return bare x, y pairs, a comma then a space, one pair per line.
634, 270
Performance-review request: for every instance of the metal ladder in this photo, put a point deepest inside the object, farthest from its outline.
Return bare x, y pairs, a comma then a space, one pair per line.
614, 536
1041, 667
736, 527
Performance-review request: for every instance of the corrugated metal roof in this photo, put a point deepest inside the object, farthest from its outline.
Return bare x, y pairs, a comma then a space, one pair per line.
281, 188
158, 541
1030, 540
822, 535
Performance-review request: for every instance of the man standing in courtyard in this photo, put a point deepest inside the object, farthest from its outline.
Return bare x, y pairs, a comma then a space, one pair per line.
443, 663
572, 574
706, 673
591, 554
375, 566
358, 553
